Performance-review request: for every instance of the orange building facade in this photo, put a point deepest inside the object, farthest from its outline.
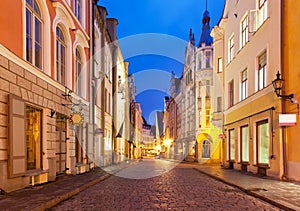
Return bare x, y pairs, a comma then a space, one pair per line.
44, 80
291, 74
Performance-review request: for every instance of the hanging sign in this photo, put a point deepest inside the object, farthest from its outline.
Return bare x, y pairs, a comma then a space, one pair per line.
76, 118
287, 119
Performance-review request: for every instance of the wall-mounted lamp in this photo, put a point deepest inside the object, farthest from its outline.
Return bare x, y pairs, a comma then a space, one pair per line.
278, 84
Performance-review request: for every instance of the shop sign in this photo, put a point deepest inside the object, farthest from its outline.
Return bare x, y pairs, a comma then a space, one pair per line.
76, 118
287, 119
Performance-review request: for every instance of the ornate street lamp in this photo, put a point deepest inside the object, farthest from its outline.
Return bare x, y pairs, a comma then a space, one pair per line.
277, 85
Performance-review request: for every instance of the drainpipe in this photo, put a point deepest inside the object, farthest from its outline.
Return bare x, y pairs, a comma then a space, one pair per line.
283, 104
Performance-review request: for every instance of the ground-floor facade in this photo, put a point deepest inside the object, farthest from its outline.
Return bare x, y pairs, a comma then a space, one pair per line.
252, 135
38, 141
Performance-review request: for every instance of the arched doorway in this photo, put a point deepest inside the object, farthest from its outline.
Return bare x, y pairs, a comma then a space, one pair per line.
206, 149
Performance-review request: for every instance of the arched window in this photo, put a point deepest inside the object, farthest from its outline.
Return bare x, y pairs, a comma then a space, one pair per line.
206, 149
33, 34
60, 56
78, 67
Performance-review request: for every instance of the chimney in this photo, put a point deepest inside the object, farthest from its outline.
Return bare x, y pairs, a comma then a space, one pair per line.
112, 28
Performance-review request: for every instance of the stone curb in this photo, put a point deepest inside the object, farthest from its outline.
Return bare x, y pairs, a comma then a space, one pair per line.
281, 205
69, 194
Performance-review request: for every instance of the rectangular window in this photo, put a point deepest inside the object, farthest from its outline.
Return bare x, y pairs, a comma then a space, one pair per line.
33, 137
262, 11
230, 94
77, 9
220, 65
207, 60
207, 88
207, 102
245, 143
244, 85
245, 31
230, 49
231, 145
262, 70
219, 104
207, 121
263, 141
199, 103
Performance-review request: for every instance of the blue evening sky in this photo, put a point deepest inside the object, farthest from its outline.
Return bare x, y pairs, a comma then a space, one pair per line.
153, 36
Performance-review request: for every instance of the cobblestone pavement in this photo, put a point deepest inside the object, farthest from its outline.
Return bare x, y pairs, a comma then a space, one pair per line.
182, 188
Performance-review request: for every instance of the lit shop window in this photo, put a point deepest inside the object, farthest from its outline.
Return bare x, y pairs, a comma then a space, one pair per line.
263, 141
33, 137
245, 143
231, 145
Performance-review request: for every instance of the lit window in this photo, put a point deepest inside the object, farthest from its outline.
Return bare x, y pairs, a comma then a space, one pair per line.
230, 49
33, 34
262, 71
60, 56
33, 137
78, 76
245, 31
244, 85
231, 145
77, 9
245, 143
263, 141
220, 65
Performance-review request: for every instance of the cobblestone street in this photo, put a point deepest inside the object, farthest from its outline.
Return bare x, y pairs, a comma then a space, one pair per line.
181, 188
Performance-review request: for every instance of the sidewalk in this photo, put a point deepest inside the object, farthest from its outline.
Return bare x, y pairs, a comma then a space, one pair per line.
49, 194
283, 194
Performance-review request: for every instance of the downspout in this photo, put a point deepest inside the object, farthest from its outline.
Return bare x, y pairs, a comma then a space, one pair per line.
93, 84
283, 105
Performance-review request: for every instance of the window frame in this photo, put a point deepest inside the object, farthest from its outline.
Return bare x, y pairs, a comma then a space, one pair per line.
244, 142
38, 154
59, 61
244, 84
231, 145
262, 71
220, 65
78, 9
35, 15
258, 141
78, 76
262, 11
244, 31
230, 93
230, 48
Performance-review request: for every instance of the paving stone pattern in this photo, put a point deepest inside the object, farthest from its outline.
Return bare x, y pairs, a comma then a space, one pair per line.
182, 188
